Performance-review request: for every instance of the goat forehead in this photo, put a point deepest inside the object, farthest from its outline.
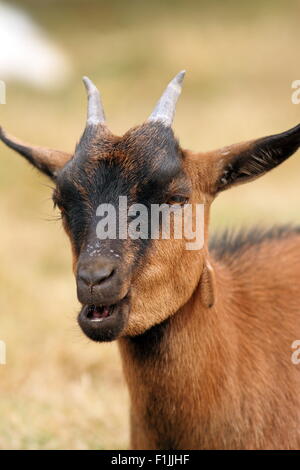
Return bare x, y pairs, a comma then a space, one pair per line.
153, 143
148, 154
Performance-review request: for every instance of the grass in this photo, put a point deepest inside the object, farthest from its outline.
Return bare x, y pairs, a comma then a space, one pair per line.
58, 390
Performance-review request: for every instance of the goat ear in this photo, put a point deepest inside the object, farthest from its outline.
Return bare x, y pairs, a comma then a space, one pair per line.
48, 161
207, 285
247, 161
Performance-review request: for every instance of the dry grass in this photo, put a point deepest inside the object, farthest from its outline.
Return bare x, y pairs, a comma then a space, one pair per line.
58, 390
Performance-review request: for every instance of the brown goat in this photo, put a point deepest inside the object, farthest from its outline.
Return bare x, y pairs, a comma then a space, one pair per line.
205, 335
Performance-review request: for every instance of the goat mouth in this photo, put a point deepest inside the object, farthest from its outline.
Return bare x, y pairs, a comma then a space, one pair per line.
104, 322
99, 313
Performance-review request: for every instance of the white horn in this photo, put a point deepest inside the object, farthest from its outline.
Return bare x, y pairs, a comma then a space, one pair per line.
164, 111
95, 114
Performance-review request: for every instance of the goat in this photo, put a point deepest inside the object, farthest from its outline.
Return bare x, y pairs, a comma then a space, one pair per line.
205, 336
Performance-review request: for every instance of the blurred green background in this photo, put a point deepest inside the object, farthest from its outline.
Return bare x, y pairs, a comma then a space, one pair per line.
59, 390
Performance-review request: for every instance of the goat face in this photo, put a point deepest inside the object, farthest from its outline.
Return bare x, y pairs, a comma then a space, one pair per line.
127, 285
116, 278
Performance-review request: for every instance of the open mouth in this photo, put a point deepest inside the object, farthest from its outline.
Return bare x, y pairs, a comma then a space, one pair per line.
104, 322
96, 313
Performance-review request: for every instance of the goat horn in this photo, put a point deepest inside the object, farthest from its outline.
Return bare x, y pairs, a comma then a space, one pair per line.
95, 113
165, 109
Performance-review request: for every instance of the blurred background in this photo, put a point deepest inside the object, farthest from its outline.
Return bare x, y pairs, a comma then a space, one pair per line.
58, 390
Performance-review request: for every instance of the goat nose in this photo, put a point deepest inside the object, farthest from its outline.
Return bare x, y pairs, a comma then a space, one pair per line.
99, 280
96, 275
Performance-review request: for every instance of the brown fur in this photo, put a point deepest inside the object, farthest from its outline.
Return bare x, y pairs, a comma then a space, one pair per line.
222, 377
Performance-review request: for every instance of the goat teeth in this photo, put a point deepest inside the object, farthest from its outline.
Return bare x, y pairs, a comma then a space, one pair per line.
97, 319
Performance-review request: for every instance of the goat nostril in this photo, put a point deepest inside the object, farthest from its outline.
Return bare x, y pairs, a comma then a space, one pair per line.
85, 278
102, 275
112, 272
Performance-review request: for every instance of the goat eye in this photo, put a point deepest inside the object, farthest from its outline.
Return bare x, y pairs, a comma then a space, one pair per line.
178, 200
